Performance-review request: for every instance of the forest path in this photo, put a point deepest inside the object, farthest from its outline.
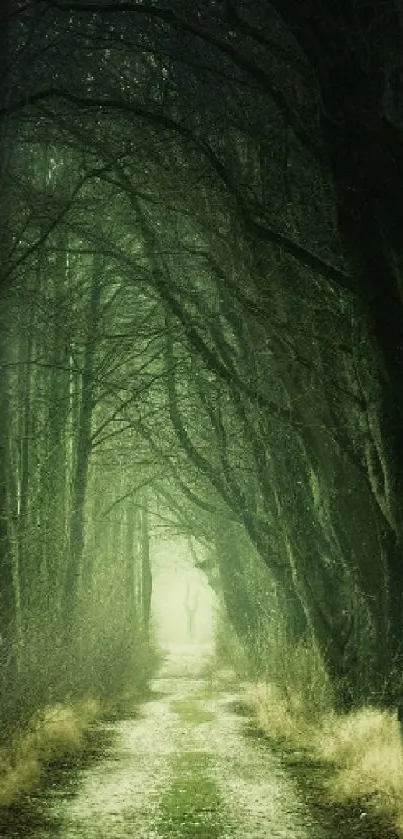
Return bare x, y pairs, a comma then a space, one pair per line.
184, 769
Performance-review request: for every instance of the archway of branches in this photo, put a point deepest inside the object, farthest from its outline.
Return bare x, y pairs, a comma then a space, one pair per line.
201, 327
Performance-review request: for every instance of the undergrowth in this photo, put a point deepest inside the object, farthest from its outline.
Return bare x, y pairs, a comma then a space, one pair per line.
362, 749
55, 732
54, 720
292, 700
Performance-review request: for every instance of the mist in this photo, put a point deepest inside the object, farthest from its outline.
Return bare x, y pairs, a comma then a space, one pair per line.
183, 603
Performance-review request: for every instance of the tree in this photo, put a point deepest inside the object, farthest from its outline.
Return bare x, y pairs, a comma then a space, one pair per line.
251, 215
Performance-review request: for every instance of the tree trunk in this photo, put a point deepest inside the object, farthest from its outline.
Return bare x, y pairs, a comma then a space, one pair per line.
82, 455
146, 572
131, 563
242, 612
8, 661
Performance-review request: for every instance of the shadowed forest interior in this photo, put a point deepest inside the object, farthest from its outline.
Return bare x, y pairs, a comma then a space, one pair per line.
201, 350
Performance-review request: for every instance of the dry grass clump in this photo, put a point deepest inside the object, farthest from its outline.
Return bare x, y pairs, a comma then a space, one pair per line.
366, 748
291, 708
363, 747
55, 732
17, 777
362, 750
282, 718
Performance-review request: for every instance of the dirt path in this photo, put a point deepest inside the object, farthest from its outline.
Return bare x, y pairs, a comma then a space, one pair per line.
184, 769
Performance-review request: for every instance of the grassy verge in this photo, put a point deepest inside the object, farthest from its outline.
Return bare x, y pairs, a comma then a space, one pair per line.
358, 755
61, 732
55, 733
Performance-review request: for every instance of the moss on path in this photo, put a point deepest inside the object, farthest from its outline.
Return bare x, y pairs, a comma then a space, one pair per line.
191, 808
191, 711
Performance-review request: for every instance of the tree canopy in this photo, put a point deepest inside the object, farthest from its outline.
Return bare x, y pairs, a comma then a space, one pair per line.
202, 324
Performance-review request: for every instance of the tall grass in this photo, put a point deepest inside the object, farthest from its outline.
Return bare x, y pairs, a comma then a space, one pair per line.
229, 652
362, 749
59, 693
54, 732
